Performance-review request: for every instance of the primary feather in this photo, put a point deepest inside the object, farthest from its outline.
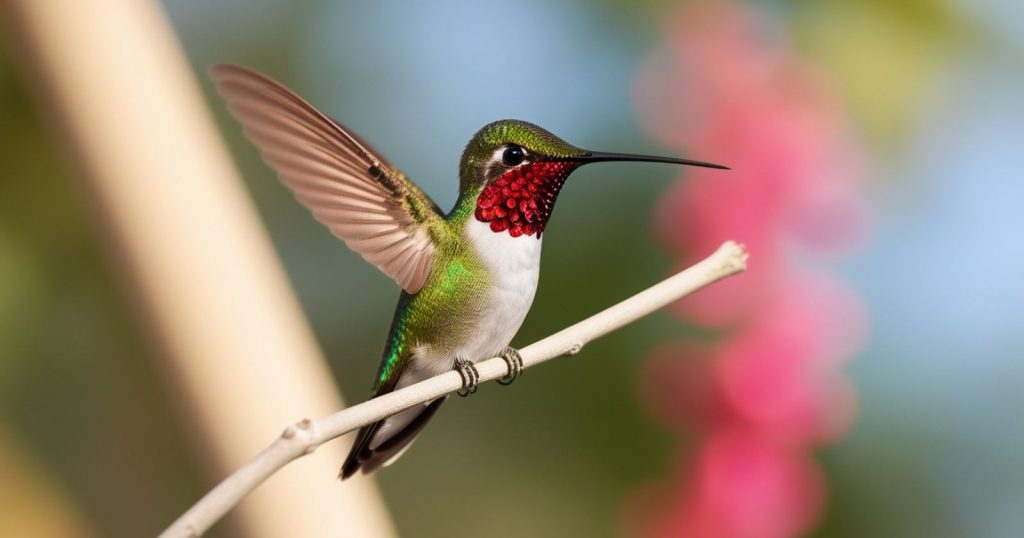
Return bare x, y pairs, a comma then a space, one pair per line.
355, 192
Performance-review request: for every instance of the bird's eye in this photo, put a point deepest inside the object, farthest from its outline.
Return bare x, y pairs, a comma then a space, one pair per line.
513, 155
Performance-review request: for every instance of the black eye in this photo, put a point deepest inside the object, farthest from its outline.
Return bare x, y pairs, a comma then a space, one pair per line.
513, 155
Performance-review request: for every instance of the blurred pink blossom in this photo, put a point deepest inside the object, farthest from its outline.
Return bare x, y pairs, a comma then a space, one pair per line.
760, 398
739, 486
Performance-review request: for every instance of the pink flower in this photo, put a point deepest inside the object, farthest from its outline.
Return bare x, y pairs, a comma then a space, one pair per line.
770, 390
738, 485
777, 373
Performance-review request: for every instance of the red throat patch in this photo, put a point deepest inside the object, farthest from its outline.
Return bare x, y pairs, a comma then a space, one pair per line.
521, 200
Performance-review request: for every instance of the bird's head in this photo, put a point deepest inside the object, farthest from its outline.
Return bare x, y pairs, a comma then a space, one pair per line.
514, 171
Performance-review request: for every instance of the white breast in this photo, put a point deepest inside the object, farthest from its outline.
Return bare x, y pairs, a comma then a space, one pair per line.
514, 266
514, 263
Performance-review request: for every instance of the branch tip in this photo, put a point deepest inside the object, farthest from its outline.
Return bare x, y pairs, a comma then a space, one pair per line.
735, 256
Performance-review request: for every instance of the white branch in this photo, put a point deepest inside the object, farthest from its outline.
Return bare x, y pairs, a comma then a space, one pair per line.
305, 436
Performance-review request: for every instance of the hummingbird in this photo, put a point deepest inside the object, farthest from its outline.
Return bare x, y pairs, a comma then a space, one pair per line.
468, 276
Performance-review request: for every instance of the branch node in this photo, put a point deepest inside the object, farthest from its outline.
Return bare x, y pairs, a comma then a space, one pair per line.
303, 425
574, 349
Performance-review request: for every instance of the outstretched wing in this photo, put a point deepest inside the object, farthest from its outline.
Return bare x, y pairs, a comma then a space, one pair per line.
356, 193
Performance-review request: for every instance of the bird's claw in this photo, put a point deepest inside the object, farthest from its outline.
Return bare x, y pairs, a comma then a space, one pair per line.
470, 376
515, 365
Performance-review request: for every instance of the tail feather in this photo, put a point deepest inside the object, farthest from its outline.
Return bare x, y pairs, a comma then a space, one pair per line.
369, 452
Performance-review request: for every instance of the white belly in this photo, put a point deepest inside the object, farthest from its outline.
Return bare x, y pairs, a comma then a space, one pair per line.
514, 263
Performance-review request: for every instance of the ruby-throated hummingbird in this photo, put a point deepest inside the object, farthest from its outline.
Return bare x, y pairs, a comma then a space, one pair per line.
468, 277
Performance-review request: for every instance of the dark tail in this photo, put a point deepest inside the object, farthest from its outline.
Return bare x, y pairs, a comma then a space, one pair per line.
374, 447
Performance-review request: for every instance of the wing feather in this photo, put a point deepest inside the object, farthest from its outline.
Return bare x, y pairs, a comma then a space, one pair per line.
350, 188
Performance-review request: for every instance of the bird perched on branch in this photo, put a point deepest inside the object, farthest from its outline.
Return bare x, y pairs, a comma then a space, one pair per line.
468, 276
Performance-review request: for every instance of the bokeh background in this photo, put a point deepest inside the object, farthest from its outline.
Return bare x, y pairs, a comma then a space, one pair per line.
864, 378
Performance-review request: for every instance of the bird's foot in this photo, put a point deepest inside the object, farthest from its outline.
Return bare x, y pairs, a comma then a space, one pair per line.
470, 376
515, 365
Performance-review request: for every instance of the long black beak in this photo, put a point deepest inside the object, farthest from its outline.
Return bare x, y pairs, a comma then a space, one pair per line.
600, 156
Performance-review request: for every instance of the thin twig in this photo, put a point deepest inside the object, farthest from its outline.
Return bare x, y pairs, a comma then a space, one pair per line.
305, 436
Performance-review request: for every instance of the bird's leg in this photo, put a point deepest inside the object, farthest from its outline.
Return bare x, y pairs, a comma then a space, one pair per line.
470, 376
515, 365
